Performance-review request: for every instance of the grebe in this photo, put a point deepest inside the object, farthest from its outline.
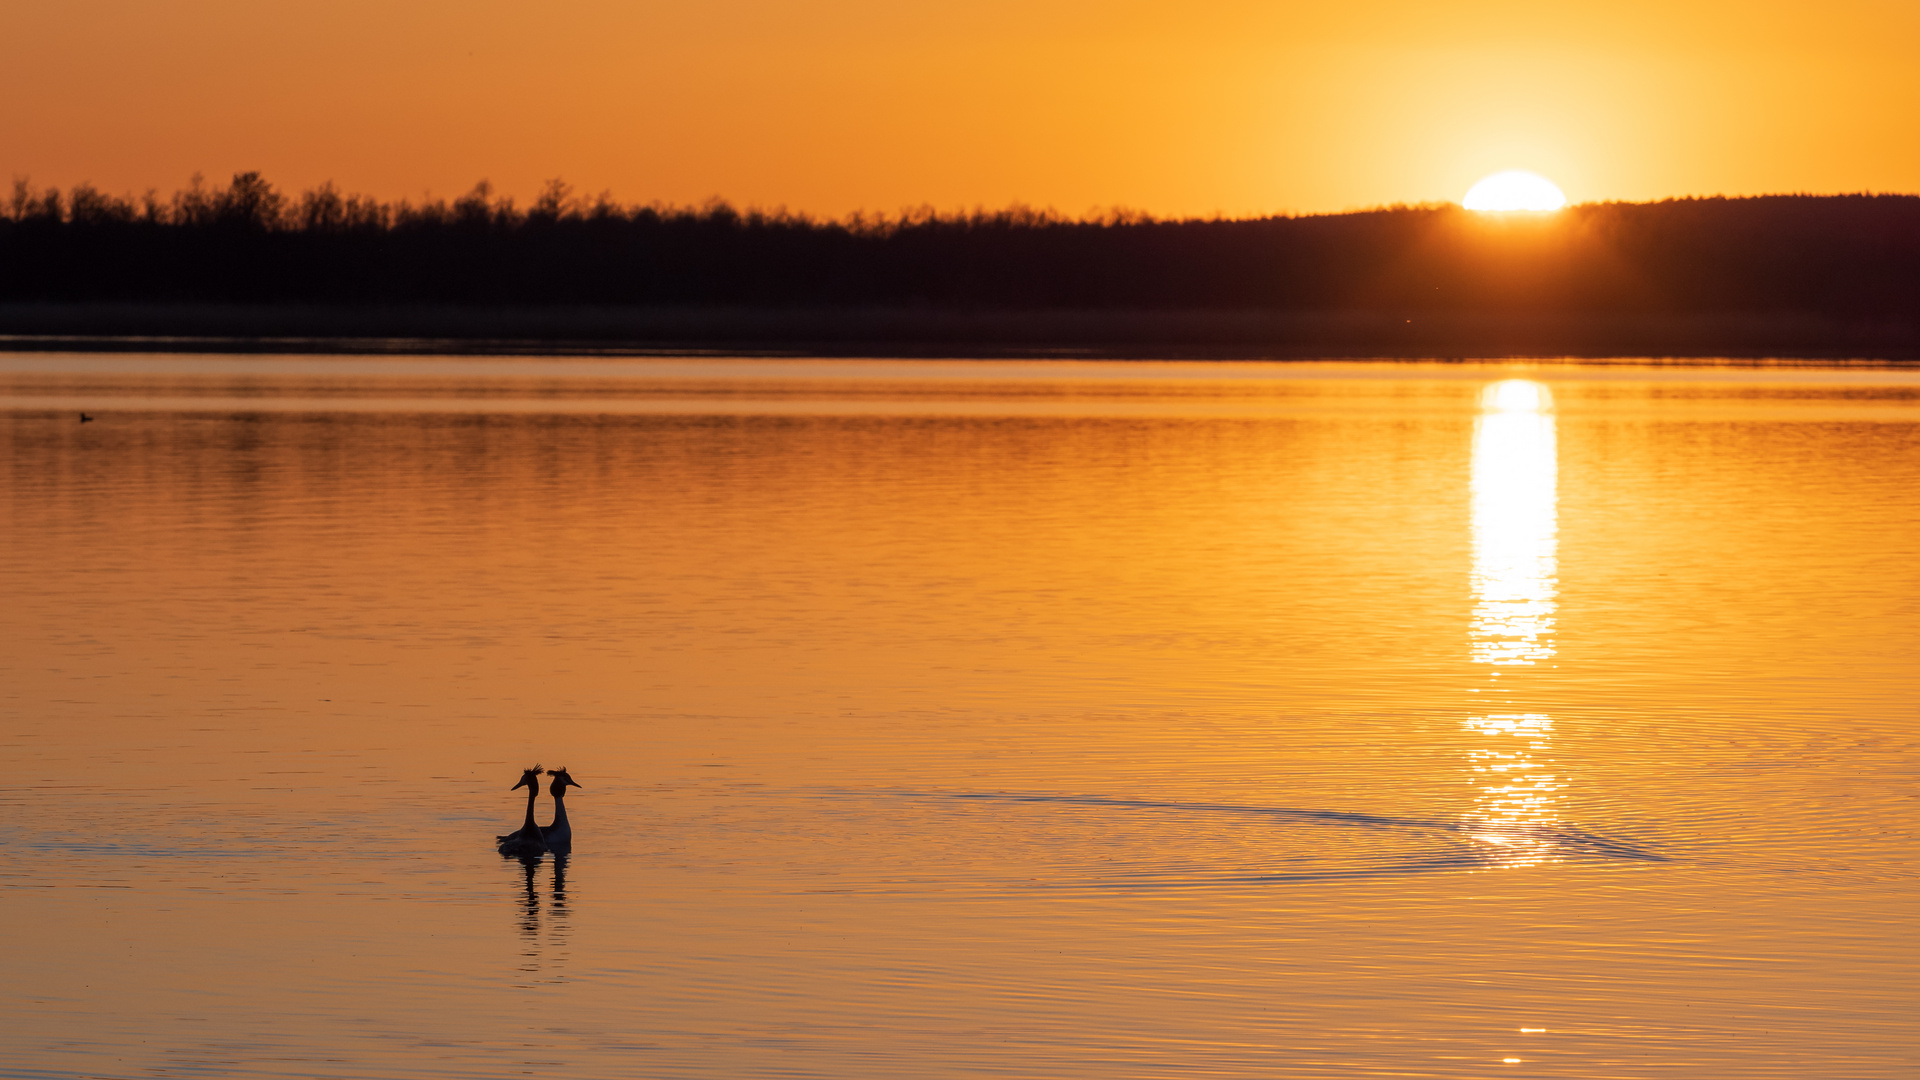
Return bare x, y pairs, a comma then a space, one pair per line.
525, 840
559, 835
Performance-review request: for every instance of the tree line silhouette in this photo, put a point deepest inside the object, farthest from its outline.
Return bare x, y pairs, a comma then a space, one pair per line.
1854, 257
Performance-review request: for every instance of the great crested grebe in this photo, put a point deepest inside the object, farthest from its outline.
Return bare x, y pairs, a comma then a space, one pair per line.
526, 840
559, 835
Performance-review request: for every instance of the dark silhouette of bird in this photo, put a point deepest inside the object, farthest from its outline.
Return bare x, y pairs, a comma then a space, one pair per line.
526, 840
559, 835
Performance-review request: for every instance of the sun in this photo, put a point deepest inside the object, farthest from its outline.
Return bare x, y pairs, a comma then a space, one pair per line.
1514, 190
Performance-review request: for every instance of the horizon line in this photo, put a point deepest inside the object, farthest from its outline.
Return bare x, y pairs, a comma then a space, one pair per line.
562, 199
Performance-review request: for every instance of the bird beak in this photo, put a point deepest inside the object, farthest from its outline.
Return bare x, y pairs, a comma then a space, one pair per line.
523, 783
571, 782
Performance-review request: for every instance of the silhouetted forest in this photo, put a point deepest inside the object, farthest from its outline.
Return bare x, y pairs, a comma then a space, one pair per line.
1849, 257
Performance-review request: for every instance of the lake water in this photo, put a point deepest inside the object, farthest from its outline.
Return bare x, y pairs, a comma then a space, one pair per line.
959, 719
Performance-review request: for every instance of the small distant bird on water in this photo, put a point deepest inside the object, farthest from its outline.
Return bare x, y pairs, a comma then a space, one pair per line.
559, 835
85, 419
526, 840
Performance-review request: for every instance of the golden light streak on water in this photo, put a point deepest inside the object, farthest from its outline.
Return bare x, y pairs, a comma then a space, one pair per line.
1515, 527
1515, 568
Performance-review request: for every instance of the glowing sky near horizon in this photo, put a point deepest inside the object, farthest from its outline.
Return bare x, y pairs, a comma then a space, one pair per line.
839, 105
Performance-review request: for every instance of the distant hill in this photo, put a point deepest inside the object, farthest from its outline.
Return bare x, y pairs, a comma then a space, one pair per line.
1813, 261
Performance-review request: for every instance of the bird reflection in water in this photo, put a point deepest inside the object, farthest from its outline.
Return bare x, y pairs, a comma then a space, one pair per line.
544, 925
1515, 581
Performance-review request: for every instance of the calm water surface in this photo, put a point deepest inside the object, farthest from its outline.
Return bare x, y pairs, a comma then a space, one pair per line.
959, 720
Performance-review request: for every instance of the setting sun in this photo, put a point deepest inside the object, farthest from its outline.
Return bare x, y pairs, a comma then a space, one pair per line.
1514, 190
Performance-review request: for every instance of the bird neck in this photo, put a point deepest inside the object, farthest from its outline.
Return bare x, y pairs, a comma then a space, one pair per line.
533, 796
560, 808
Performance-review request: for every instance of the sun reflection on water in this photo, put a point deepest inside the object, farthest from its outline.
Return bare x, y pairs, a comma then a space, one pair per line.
1515, 525
1515, 577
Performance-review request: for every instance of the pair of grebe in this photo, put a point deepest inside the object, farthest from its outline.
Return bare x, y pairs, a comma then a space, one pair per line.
530, 838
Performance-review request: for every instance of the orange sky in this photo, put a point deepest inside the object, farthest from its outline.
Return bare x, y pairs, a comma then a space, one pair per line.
830, 106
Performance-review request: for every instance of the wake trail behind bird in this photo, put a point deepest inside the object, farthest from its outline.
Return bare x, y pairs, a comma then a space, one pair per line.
1462, 844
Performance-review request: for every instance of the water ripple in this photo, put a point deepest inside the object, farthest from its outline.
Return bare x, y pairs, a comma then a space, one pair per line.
1441, 844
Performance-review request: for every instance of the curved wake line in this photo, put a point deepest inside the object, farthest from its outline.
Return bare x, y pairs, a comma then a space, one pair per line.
1476, 845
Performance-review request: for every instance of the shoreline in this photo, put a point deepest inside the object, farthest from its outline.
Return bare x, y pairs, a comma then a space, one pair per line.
936, 332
